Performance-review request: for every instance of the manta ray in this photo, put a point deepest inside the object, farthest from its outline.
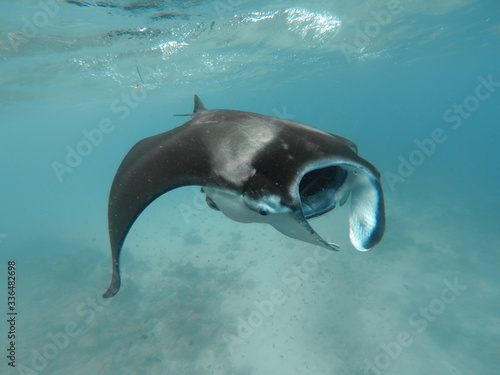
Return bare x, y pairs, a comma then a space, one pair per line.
252, 168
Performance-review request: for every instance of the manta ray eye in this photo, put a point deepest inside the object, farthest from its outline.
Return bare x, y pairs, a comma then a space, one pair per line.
263, 211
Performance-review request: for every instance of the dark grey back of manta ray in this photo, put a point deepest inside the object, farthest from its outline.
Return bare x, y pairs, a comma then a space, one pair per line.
253, 168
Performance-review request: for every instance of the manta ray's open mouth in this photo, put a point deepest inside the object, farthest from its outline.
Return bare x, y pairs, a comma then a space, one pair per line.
321, 190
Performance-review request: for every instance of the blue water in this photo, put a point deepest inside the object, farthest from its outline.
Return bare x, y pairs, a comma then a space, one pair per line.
415, 84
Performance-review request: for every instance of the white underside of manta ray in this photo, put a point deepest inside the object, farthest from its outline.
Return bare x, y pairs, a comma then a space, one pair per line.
252, 168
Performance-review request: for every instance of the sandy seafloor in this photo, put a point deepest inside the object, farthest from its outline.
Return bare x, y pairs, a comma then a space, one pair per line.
204, 295
187, 288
